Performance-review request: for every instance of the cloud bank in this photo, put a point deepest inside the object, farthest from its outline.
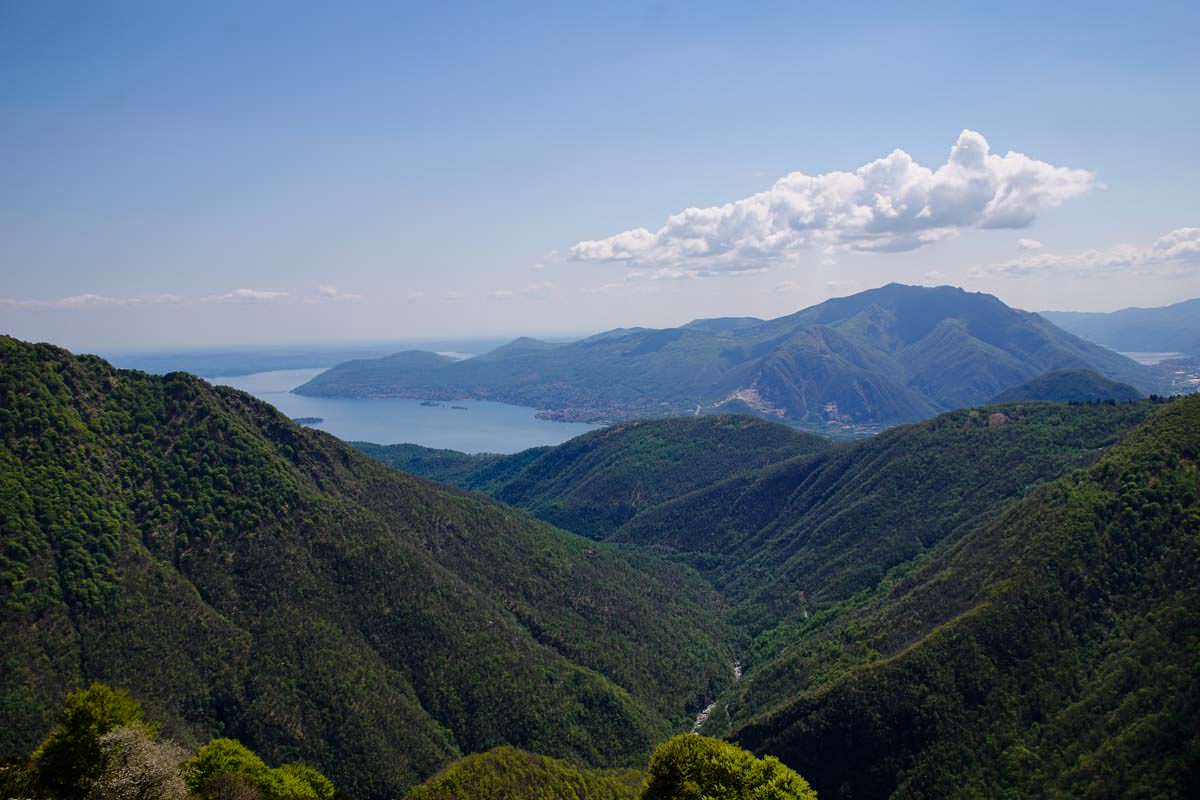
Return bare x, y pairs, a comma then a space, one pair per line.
1174, 254
81, 301
245, 296
892, 204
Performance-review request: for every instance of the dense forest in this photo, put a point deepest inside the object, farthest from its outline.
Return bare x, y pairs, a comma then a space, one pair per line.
1000, 601
1069, 386
250, 578
843, 560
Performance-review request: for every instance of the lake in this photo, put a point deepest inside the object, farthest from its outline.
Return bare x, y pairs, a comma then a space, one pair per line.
483, 427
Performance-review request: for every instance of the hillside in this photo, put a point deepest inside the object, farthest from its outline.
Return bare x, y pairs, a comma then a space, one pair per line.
1069, 386
506, 773
779, 521
1050, 653
248, 577
600, 480
1170, 329
888, 355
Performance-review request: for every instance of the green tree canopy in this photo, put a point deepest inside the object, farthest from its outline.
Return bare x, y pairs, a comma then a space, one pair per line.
690, 767
225, 768
70, 759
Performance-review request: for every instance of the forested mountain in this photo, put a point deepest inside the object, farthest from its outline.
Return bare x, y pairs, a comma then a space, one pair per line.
1069, 386
597, 482
247, 577
998, 601
878, 357
990, 588
1170, 329
770, 515
1050, 653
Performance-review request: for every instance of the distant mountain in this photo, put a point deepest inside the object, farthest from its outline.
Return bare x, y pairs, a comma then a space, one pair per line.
249, 359
887, 355
1069, 386
244, 576
1170, 329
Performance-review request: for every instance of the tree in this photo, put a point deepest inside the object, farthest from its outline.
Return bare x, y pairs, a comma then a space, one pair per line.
225, 769
70, 759
136, 767
691, 767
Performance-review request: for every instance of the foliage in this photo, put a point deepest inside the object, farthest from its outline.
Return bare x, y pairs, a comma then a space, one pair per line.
225, 762
1050, 653
136, 767
892, 354
506, 773
258, 580
597, 482
691, 767
1069, 386
72, 757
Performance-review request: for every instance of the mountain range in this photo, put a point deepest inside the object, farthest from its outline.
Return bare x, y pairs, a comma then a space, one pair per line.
1170, 329
893, 354
1000, 601
997, 601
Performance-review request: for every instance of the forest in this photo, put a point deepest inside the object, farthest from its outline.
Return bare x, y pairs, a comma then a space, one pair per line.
999, 601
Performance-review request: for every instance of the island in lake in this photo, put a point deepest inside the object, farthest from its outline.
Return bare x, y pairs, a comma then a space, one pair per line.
430, 403
308, 420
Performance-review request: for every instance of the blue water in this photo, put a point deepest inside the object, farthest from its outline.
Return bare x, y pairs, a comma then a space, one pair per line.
483, 428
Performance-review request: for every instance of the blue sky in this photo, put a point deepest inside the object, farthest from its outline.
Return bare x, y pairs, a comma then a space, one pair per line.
201, 173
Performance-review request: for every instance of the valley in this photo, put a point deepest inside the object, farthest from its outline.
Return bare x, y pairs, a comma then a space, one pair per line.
398, 615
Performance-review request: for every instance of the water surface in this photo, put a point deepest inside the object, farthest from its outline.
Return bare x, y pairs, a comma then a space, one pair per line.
483, 427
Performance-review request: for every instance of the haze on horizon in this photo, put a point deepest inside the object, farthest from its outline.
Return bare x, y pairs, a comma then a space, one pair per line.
214, 174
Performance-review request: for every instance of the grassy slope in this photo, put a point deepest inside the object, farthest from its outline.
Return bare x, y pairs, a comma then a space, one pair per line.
1051, 652
245, 576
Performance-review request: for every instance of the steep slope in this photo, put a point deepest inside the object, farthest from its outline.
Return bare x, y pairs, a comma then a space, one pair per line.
1170, 329
596, 482
1050, 653
1069, 386
806, 534
243, 575
892, 354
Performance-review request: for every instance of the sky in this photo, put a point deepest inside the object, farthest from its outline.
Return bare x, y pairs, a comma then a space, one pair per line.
196, 174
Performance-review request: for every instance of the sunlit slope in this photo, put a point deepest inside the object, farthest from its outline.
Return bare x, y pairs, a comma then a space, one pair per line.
243, 575
1050, 653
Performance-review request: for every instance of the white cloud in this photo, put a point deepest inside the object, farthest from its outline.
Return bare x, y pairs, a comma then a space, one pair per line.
245, 296
1029, 244
453, 297
534, 291
414, 296
892, 204
327, 293
82, 301
1175, 253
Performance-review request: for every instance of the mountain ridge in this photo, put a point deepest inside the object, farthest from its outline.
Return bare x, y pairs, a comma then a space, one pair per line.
249, 577
875, 358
